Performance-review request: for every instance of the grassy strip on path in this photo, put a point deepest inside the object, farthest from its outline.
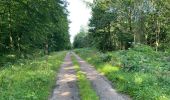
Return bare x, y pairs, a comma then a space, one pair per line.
85, 89
30, 79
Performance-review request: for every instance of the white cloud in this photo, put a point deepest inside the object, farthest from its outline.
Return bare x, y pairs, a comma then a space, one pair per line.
79, 16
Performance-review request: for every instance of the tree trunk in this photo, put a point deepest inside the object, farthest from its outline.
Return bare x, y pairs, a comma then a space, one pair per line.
11, 45
130, 22
46, 47
46, 51
134, 38
0, 32
110, 36
18, 42
157, 34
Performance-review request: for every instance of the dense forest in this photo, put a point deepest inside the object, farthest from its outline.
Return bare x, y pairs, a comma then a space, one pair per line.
30, 30
120, 24
27, 25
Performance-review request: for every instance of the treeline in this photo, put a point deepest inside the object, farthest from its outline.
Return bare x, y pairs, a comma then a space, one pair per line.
119, 24
26, 25
81, 40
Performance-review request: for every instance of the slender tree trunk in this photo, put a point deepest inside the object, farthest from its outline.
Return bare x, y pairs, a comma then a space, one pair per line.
0, 30
110, 36
46, 46
123, 46
157, 35
120, 45
46, 51
130, 22
10, 26
18, 42
105, 37
134, 37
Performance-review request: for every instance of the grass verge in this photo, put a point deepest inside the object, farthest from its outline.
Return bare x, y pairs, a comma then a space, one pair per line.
85, 89
30, 79
139, 72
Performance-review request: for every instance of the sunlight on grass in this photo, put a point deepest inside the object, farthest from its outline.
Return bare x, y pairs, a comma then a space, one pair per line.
107, 68
76, 67
138, 80
163, 97
30, 79
85, 89
142, 73
89, 59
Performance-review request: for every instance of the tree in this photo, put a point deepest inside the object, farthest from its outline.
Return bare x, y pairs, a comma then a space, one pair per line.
119, 24
81, 39
26, 25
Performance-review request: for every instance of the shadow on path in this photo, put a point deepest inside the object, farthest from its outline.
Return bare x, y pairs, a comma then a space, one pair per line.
66, 88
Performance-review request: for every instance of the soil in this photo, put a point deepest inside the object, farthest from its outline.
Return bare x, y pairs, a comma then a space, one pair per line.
66, 88
100, 84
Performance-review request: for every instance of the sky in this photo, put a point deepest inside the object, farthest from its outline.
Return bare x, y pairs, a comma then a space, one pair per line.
79, 15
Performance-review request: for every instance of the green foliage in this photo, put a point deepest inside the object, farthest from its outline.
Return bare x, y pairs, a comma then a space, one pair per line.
30, 79
118, 24
105, 57
86, 91
14, 57
142, 58
144, 49
139, 72
26, 25
81, 39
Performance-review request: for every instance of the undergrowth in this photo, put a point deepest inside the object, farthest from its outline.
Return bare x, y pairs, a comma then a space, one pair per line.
139, 72
30, 79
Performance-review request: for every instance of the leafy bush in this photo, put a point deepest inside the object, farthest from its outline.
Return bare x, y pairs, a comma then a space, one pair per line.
141, 72
142, 48
105, 57
142, 59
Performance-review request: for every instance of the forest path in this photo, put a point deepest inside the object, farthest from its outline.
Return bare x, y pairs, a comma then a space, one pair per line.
66, 88
100, 84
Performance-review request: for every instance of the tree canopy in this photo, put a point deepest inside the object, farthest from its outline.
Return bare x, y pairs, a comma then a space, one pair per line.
119, 24
81, 40
26, 25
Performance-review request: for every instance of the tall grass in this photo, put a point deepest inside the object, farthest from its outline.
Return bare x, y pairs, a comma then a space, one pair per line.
30, 79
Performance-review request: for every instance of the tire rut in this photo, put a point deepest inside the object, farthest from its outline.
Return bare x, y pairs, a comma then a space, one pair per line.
100, 84
66, 88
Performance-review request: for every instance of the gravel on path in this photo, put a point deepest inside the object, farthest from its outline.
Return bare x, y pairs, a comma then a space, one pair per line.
66, 88
100, 84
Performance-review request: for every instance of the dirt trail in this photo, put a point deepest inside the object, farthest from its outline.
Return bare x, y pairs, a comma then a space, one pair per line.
66, 88
100, 83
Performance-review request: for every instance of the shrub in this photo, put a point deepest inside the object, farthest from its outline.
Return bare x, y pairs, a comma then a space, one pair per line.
142, 73
105, 57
